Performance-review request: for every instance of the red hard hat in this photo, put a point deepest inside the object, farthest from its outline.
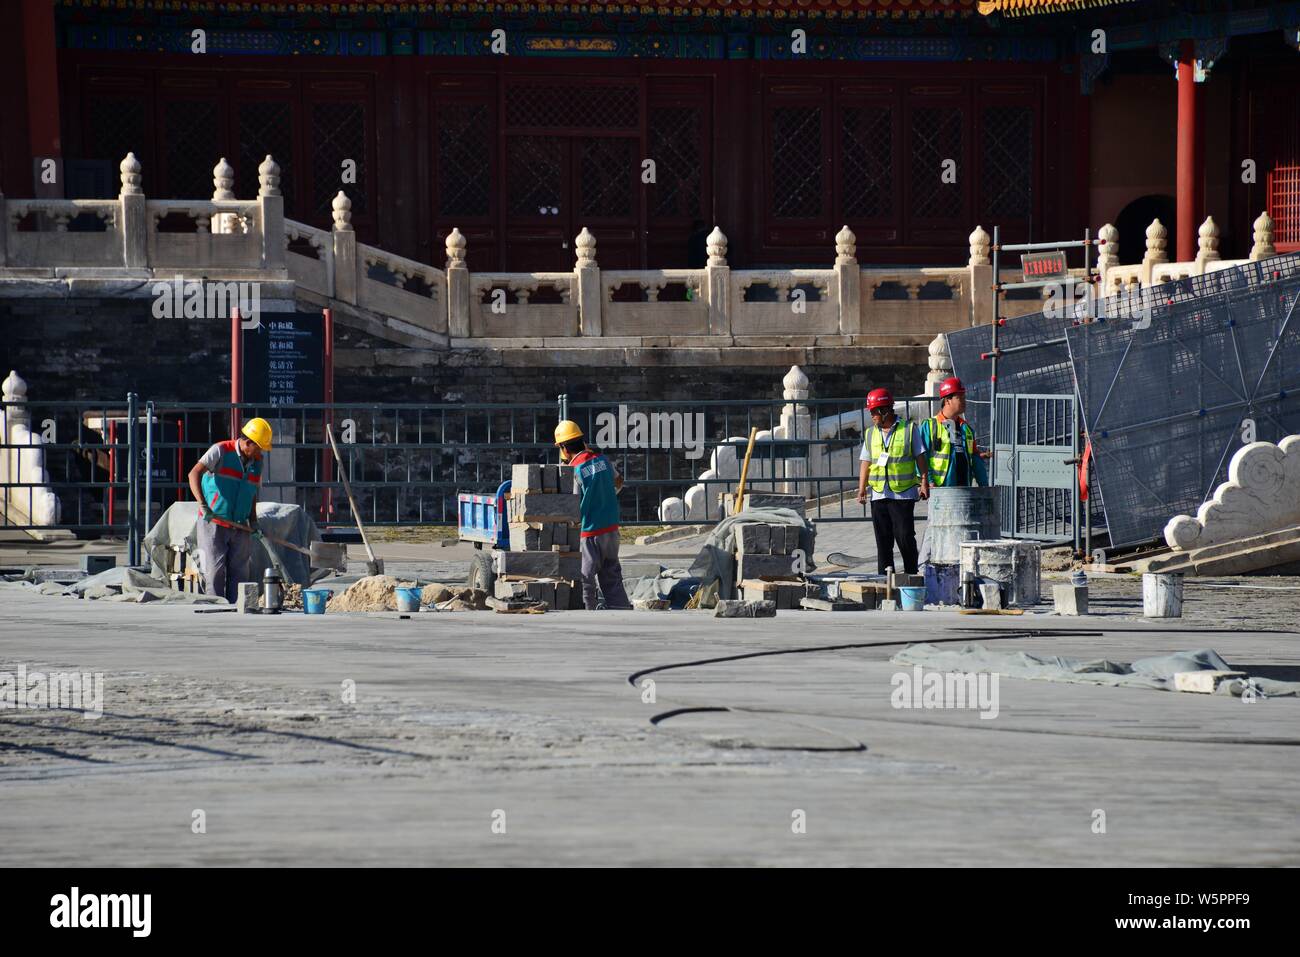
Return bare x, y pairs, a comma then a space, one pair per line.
879, 398
951, 386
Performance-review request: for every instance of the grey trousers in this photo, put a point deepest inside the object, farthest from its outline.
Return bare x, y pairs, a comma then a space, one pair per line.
224, 555
600, 564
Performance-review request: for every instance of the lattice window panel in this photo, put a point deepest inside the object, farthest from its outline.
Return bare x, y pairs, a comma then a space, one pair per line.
191, 144
338, 133
674, 136
1007, 161
1284, 205
117, 126
579, 106
265, 127
534, 174
606, 170
867, 147
936, 136
464, 170
796, 162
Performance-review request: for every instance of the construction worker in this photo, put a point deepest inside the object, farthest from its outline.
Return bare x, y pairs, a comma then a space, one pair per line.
598, 482
954, 458
895, 466
225, 483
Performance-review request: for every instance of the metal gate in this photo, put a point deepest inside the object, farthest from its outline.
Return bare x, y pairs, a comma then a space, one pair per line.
1035, 450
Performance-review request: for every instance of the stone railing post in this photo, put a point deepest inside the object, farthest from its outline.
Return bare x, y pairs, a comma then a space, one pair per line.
1107, 254
587, 278
223, 183
457, 286
796, 425
1157, 250
14, 389
1207, 244
135, 222
718, 280
345, 250
940, 363
981, 278
271, 205
1262, 249
848, 282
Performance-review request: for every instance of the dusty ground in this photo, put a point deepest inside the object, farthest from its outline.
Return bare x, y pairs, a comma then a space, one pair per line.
462, 721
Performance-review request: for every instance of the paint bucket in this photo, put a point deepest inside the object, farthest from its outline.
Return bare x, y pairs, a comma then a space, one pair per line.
314, 599
408, 599
1012, 563
1162, 596
912, 598
960, 514
942, 584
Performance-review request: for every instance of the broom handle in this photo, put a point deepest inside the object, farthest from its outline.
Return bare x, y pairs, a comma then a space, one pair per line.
744, 471
347, 487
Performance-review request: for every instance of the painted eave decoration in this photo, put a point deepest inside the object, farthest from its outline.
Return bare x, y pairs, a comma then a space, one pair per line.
1029, 8
795, 9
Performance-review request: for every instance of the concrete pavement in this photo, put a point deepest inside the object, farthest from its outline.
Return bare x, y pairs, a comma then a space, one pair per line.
465, 724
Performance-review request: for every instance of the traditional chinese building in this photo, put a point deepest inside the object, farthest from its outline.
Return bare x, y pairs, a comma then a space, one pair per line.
778, 120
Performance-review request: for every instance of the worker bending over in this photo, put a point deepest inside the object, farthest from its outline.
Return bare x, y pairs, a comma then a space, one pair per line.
225, 483
954, 458
598, 482
894, 464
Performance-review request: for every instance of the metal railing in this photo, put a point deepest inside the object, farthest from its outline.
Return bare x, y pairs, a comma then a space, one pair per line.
407, 462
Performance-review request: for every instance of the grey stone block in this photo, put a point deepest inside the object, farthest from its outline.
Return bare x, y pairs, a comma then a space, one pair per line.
727, 608
538, 564
753, 538
525, 478
537, 507
249, 597
765, 500
1070, 599
550, 481
764, 566
823, 604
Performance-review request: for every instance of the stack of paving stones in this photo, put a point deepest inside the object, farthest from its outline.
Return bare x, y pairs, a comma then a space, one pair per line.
543, 563
765, 564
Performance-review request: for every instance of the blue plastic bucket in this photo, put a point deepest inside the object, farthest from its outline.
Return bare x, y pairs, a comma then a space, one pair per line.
913, 597
314, 599
408, 599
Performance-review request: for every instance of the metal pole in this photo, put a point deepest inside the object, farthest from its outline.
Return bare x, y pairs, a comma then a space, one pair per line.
993, 369
148, 464
132, 471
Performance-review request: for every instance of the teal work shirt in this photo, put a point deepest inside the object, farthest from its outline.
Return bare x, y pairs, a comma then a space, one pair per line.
593, 479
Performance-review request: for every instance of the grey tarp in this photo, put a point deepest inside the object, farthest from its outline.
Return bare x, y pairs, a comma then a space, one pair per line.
715, 557
178, 526
1155, 673
123, 584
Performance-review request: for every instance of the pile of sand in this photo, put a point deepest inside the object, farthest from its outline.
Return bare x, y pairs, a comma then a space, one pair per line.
379, 593
454, 597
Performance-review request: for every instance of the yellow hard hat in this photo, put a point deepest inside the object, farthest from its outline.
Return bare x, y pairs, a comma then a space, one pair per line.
567, 431
259, 430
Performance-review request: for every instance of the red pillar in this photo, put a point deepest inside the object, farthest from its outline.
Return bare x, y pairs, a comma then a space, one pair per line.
1191, 178
42, 78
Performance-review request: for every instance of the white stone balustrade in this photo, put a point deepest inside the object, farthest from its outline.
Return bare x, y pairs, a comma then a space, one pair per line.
33, 503
133, 238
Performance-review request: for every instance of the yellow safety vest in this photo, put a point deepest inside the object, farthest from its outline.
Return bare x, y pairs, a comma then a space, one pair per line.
900, 472
940, 451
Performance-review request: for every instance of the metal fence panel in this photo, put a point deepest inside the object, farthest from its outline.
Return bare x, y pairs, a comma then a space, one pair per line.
1168, 404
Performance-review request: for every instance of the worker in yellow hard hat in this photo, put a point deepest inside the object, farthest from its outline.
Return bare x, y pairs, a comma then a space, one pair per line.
597, 480
225, 482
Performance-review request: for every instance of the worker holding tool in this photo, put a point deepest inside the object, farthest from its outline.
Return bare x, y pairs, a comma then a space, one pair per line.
895, 465
598, 482
225, 482
954, 458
